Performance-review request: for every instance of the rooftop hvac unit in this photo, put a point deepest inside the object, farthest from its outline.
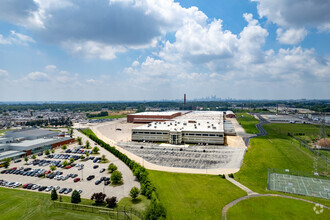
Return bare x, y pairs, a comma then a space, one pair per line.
155, 127
214, 127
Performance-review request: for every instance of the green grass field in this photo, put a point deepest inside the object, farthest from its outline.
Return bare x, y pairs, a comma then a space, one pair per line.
18, 204
248, 122
193, 196
274, 208
276, 150
109, 117
139, 204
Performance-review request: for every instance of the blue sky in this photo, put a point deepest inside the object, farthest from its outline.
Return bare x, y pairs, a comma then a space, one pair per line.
109, 50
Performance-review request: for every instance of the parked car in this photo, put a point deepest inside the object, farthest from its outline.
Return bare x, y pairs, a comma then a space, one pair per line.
62, 190
102, 170
90, 177
76, 180
95, 166
98, 182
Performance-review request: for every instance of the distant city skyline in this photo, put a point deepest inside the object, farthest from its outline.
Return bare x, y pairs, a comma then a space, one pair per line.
126, 50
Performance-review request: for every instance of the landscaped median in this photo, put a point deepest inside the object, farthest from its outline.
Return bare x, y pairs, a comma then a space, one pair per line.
155, 210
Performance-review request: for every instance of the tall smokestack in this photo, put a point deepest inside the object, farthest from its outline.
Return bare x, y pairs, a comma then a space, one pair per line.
184, 101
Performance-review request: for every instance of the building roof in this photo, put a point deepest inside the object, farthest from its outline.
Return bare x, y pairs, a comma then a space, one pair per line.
11, 153
194, 121
30, 132
168, 113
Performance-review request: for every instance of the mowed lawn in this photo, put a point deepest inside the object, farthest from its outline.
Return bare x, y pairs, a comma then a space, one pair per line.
260, 208
275, 150
19, 204
193, 196
248, 122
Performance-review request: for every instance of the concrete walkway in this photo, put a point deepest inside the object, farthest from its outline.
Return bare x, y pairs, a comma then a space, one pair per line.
231, 204
247, 190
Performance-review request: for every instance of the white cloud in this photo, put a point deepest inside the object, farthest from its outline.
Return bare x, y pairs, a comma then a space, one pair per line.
16, 38
38, 76
291, 36
91, 49
51, 68
295, 13
3, 73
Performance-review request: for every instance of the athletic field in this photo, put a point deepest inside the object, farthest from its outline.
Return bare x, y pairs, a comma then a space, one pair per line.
299, 185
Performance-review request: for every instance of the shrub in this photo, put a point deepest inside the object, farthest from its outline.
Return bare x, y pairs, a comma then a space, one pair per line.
134, 192
75, 197
87, 144
34, 156
71, 160
65, 163
95, 150
52, 167
64, 147
231, 175
116, 177
112, 167
79, 140
103, 159
82, 157
155, 210
111, 202
98, 197
53, 194
6, 162
222, 176
53, 151
26, 159
47, 152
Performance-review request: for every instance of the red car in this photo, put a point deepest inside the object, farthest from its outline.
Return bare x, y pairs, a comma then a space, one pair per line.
76, 180
48, 172
14, 168
68, 167
25, 185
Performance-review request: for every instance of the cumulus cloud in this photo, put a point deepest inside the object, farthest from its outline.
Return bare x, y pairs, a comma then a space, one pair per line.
295, 16
38, 76
3, 73
291, 36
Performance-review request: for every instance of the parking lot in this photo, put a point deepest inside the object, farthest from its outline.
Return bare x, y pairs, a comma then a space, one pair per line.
72, 176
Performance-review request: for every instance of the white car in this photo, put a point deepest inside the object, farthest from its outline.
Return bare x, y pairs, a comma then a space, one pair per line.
56, 187
49, 188
36, 186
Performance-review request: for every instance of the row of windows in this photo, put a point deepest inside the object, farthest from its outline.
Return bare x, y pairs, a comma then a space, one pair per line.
147, 132
204, 135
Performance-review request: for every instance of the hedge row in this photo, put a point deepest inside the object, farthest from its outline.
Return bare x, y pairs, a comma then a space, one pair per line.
155, 210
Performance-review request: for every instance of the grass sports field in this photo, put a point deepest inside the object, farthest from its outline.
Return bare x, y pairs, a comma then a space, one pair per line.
261, 208
299, 185
276, 150
248, 122
192, 196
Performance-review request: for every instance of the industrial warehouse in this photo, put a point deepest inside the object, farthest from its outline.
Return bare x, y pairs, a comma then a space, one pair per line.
194, 127
27, 141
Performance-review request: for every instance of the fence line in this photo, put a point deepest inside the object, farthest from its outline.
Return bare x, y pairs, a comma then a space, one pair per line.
112, 213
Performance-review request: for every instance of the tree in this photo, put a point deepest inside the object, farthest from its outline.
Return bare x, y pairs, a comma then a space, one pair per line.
26, 159
82, 157
88, 145
98, 197
34, 157
75, 197
6, 162
95, 150
111, 202
53, 151
155, 210
112, 167
71, 160
53, 195
134, 192
79, 140
71, 131
103, 159
87, 154
64, 147
47, 152
65, 163
116, 177
53, 168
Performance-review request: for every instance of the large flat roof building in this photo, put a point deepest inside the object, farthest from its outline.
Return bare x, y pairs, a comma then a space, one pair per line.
193, 127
